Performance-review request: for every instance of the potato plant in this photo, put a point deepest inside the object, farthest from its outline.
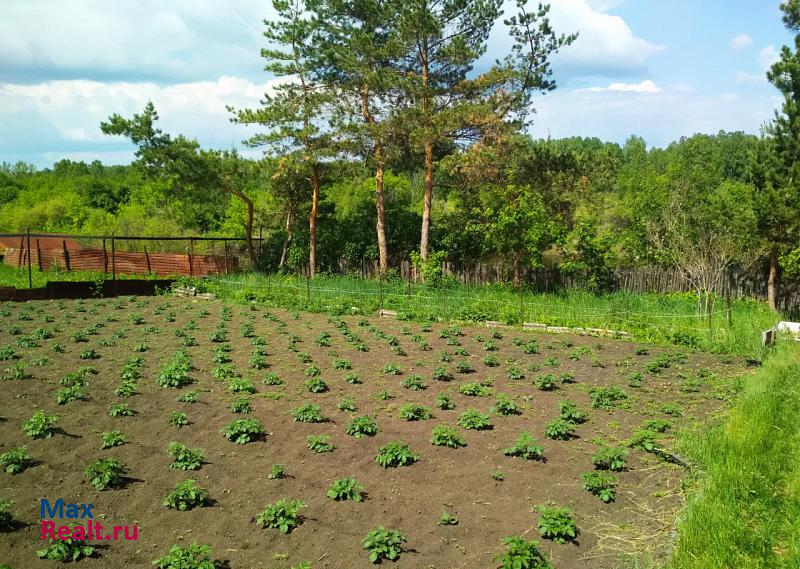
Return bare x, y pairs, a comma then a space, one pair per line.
283, 515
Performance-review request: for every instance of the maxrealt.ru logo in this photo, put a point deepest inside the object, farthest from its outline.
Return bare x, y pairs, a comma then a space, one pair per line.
91, 531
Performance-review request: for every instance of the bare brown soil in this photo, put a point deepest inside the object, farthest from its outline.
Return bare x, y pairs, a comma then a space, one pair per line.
412, 499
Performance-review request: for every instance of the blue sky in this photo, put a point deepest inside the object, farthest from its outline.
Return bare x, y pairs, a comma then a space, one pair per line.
660, 69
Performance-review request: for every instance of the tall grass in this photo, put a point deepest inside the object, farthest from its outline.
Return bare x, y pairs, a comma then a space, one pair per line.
18, 277
745, 511
650, 317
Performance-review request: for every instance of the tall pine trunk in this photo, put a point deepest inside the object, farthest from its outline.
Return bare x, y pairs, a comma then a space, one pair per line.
380, 225
772, 281
312, 223
428, 147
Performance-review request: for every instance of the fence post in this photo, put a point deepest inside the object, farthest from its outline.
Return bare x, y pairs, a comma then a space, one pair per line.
114, 263
30, 271
66, 254
191, 256
38, 255
21, 251
225, 244
105, 258
728, 308
147, 260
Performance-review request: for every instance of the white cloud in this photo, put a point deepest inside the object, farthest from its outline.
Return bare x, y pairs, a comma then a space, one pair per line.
606, 45
660, 117
646, 86
66, 114
750, 78
180, 39
741, 42
768, 56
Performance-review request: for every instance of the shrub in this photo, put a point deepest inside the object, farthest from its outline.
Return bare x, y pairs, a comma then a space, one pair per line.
40, 426
360, 427
241, 405
106, 473
384, 544
443, 402
66, 550
525, 447
607, 397
414, 383
186, 495
546, 382
112, 439
522, 554
193, 557
346, 489
559, 429
69, 394
601, 484
120, 410
185, 458
414, 412
396, 454
242, 431
308, 413
178, 419
283, 515
570, 412
277, 472
441, 374
557, 524
505, 405
15, 460
320, 443
447, 436
316, 385
475, 389
475, 420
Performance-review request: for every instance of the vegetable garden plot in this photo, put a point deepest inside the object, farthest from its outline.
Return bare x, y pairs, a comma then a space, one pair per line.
279, 438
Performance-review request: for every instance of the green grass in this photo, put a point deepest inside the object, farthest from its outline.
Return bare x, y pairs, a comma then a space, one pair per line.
656, 318
745, 509
18, 277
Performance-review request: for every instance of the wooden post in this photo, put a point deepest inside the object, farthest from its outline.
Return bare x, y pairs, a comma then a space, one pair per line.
191, 255
30, 271
105, 258
225, 241
38, 255
147, 260
114, 264
21, 250
66, 254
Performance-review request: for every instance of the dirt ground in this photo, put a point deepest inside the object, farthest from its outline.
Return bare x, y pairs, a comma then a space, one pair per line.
411, 499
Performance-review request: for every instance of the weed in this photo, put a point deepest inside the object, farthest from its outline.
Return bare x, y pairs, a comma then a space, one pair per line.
447, 436
346, 489
106, 473
395, 454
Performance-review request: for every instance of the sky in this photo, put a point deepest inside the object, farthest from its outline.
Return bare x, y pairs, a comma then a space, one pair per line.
659, 69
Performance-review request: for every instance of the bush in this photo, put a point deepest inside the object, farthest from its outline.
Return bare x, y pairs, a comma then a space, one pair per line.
522, 554
283, 515
15, 460
525, 447
185, 458
384, 544
40, 426
193, 557
360, 427
601, 484
475, 420
308, 413
346, 489
187, 495
557, 524
446, 436
396, 454
106, 473
242, 431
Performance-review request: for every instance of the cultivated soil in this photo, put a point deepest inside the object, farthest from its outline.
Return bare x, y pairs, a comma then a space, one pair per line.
411, 499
